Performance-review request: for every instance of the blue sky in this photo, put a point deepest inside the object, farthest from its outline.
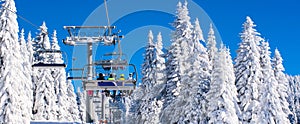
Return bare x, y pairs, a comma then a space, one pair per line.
277, 21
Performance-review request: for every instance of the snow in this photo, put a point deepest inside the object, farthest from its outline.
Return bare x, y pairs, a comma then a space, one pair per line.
190, 83
222, 97
14, 83
248, 72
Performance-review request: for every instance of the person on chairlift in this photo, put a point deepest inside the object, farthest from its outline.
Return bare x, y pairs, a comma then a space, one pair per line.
130, 77
112, 77
122, 78
101, 76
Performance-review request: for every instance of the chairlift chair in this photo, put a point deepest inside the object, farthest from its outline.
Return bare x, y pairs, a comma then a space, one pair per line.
114, 61
124, 85
51, 65
80, 35
73, 71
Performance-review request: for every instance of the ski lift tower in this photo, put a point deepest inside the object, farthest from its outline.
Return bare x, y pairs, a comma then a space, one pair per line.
89, 35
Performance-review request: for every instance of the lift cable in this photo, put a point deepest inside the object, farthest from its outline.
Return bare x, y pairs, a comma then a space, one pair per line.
106, 10
23, 18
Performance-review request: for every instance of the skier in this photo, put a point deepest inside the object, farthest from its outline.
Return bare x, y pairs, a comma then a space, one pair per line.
131, 78
121, 77
101, 76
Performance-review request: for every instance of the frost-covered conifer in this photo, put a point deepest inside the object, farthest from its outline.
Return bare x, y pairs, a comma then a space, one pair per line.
30, 48
44, 93
178, 52
270, 105
222, 97
65, 100
283, 83
81, 105
44, 107
154, 85
73, 112
159, 67
211, 43
248, 72
147, 67
40, 44
292, 98
190, 104
13, 83
296, 80
27, 73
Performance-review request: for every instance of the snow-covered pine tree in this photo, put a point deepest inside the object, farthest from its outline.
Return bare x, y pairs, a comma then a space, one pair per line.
148, 82
283, 83
41, 43
296, 86
270, 105
12, 79
211, 43
30, 48
223, 94
44, 93
178, 52
159, 68
44, 107
65, 99
27, 73
297, 97
147, 66
154, 106
133, 103
81, 105
231, 78
248, 72
56, 57
200, 54
73, 107
190, 105
292, 98
183, 35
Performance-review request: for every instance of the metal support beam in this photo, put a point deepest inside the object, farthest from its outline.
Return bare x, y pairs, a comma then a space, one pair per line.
103, 107
89, 106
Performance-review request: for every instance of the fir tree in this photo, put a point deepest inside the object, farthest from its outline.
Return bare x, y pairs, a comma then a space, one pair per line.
65, 100
27, 73
159, 67
155, 100
45, 88
15, 101
178, 52
30, 48
73, 111
223, 94
292, 98
189, 104
81, 105
283, 83
147, 67
150, 78
270, 105
211, 43
248, 72
40, 44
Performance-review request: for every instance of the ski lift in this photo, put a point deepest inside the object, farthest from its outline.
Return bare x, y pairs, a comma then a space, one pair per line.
80, 35
125, 85
51, 64
75, 71
114, 61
